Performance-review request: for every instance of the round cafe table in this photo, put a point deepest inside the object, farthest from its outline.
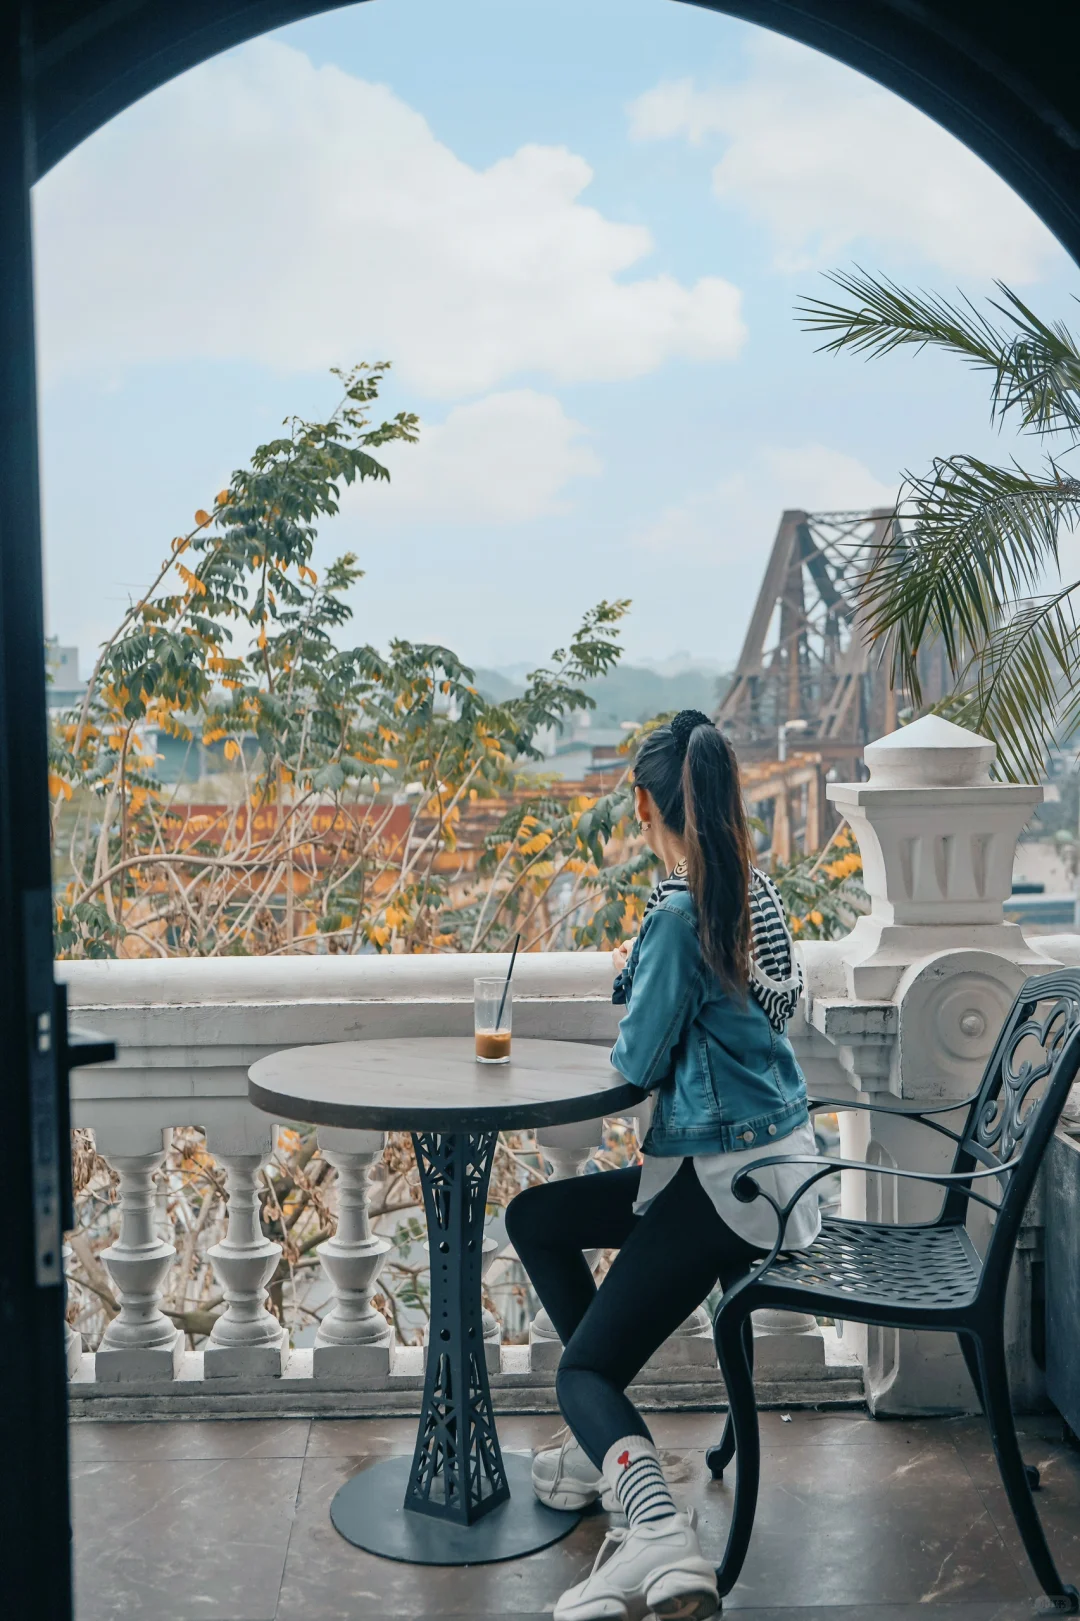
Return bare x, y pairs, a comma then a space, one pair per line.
452, 1503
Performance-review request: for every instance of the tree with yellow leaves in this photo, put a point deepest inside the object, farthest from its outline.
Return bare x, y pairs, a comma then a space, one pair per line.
352, 767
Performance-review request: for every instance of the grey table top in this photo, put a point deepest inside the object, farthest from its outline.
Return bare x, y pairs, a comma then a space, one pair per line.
433, 1083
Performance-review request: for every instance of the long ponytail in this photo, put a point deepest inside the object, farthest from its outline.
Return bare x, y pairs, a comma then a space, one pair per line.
718, 855
691, 771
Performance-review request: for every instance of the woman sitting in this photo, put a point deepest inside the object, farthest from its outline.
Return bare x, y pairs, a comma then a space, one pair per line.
709, 984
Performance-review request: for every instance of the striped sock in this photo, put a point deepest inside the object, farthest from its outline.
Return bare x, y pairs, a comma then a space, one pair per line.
632, 1470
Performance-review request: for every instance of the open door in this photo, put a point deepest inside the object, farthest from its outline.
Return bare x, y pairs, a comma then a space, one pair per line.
34, 1527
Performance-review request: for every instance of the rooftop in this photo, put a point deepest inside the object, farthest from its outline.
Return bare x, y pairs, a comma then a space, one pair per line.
859, 1520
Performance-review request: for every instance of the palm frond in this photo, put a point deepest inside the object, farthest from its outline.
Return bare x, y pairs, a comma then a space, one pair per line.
1035, 366
1023, 671
976, 540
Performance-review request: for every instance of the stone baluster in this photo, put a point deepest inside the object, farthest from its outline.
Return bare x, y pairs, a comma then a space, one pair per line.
492, 1325
141, 1343
787, 1342
354, 1340
567, 1150
73, 1345
247, 1340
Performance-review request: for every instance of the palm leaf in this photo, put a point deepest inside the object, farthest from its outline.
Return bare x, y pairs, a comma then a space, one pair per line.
976, 541
1023, 672
1035, 367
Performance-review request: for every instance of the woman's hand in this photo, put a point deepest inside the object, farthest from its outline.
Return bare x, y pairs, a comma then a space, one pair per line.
619, 956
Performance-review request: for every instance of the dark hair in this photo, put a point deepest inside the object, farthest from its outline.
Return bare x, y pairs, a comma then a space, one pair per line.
690, 769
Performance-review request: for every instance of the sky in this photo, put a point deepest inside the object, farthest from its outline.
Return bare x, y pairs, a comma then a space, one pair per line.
578, 230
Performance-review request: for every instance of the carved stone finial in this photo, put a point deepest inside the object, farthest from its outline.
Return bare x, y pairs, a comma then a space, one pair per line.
938, 839
930, 753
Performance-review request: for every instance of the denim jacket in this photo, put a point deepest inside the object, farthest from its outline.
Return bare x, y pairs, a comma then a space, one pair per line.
723, 1079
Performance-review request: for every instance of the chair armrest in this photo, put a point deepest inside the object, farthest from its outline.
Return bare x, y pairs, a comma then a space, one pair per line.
833, 1104
746, 1190
899, 1112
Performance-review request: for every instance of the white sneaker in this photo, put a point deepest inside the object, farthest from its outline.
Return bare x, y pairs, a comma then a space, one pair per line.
565, 1477
653, 1569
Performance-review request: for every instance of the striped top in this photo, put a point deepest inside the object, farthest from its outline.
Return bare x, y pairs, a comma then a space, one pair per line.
776, 976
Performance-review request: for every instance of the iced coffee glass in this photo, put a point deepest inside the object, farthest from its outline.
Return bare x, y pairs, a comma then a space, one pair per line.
492, 1029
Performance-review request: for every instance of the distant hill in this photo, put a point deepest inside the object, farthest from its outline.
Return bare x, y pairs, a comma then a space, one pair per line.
631, 692
495, 687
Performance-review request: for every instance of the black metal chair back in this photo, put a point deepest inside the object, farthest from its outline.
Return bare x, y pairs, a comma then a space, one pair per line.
1012, 1117
864, 1269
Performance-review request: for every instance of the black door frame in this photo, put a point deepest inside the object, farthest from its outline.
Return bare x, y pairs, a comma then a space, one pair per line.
1005, 87
33, 1497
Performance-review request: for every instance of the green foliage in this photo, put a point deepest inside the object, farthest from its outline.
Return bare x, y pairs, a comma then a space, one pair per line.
970, 562
351, 766
822, 892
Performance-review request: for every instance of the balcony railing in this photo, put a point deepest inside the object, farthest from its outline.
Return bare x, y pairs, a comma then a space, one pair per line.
907, 1005
187, 1032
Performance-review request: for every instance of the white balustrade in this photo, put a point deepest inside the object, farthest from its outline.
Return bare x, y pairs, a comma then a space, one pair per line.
73, 1345
247, 1340
354, 1340
140, 1343
187, 1031
787, 1342
492, 1327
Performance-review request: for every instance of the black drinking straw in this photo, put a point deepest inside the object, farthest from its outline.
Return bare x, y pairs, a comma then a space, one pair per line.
506, 987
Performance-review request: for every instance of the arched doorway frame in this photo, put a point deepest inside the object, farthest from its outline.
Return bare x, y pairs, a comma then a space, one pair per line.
1007, 89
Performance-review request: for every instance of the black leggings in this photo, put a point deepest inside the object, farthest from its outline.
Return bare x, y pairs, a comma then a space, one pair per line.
668, 1261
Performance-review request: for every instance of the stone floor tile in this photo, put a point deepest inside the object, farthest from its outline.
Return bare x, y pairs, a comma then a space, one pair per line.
836, 1527
360, 1437
180, 1538
1060, 1516
1040, 1441
925, 1461
190, 1438
1009, 1610
792, 1427
858, 1521
354, 1437
326, 1579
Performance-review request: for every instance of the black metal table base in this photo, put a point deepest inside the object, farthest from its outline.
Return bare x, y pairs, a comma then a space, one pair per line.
370, 1513
457, 1469
451, 1503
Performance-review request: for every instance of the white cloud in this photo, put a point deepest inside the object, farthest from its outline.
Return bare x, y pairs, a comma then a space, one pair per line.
827, 160
265, 209
502, 459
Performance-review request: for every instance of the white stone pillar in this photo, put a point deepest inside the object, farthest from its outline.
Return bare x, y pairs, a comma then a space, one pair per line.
73, 1345
787, 1342
247, 1340
929, 975
354, 1340
938, 840
141, 1343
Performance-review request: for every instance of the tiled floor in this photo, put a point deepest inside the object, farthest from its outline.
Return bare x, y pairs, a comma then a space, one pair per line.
858, 1521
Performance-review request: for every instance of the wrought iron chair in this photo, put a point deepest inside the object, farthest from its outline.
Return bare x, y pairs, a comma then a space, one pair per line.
928, 1275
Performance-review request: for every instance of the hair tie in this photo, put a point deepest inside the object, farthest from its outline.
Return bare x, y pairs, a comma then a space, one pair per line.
684, 723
